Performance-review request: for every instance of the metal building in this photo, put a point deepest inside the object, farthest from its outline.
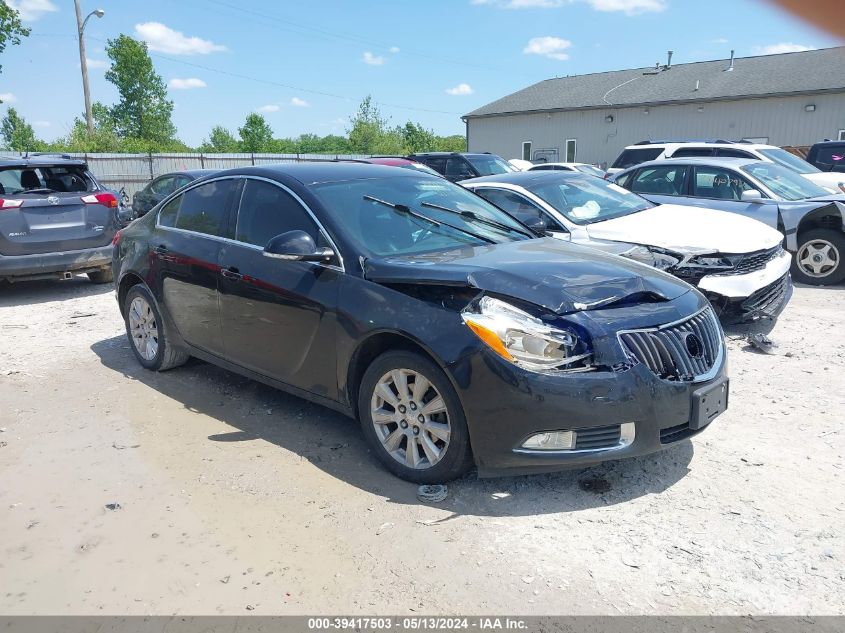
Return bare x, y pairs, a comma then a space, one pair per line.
785, 99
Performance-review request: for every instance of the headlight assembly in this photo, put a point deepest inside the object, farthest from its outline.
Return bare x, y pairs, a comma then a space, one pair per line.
715, 262
523, 339
657, 258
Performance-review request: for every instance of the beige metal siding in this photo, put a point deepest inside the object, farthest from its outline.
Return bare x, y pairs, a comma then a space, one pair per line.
782, 119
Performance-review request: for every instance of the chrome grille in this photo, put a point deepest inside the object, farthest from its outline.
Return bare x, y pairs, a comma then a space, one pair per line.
685, 351
754, 261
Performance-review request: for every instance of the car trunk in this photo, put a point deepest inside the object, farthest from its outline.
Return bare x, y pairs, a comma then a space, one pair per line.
54, 222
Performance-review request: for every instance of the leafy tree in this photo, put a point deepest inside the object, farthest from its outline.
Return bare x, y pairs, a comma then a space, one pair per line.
17, 134
221, 141
367, 128
11, 29
454, 143
104, 138
256, 134
143, 111
417, 138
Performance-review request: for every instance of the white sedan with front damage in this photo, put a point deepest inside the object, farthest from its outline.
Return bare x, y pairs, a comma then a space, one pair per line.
737, 262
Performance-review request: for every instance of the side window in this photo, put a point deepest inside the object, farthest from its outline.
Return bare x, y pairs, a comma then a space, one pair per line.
663, 180
205, 209
179, 182
458, 167
437, 164
163, 185
167, 215
625, 180
686, 152
267, 211
519, 207
726, 152
723, 184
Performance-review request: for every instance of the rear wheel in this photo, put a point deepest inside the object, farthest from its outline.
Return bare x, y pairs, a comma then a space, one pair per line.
102, 276
146, 331
413, 419
818, 260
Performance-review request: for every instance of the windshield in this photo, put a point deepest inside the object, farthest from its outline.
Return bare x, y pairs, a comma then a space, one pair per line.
584, 199
363, 209
589, 169
489, 165
783, 182
782, 157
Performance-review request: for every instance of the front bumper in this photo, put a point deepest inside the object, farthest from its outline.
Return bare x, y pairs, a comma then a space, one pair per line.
54, 265
504, 405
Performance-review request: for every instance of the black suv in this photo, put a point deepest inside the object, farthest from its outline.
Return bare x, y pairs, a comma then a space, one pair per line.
828, 156
55, 220
459, 166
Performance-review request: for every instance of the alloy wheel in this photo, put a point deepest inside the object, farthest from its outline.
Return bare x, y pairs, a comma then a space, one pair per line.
411, 418
818, 258
143, 328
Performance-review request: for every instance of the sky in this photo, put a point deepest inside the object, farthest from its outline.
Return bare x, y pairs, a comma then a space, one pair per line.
306, 65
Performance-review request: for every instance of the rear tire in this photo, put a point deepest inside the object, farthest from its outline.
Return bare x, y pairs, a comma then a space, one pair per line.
146, 332
818, 260
102, 276
406, 402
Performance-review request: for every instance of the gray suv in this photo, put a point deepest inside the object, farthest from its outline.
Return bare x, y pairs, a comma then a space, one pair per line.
810, 217
55, 220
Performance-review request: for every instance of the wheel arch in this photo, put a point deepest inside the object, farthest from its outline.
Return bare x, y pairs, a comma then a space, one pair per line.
826, 217
126, 283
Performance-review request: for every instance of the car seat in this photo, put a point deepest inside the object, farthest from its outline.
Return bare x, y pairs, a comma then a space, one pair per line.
29, 179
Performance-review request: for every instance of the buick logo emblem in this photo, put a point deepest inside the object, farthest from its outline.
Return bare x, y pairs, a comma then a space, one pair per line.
53, 200
694, 345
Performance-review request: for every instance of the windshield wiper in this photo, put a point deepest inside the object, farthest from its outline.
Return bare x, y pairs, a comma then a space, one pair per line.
404, 209
477, 218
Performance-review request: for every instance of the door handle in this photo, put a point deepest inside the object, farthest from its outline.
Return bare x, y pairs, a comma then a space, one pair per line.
231, 273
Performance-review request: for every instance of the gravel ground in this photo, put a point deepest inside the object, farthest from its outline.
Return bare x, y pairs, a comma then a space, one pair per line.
236, 498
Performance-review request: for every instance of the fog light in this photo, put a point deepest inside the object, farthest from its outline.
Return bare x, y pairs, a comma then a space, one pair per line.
550, 441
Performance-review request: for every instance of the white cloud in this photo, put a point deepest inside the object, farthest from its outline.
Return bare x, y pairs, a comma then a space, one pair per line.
186, 84
299, 103
96, 63
394, 49
782, 47
163, 39
7, 97
548, 46
460, 90
372, 60
31, 10
628, 7
270, 107
41, 123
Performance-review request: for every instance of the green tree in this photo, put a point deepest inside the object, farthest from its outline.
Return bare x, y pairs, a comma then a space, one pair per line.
104, 138
367, 128
454, 143
17, 134
143, 112
417, 138
256, 134
11, 29
221, 141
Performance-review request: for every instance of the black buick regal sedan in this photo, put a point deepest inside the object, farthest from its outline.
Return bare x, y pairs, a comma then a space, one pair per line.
451, 331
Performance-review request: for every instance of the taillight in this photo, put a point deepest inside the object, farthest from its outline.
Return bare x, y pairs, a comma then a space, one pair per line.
10, 204
116, 239
105, 199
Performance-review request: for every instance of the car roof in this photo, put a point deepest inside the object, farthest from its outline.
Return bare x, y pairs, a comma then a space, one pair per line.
525, 178
387, 160
44, 159
195, 173
309, 173
715, 161
454, 154
829, 143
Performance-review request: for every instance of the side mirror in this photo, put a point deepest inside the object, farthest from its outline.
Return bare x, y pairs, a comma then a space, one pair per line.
297, 246
751, 195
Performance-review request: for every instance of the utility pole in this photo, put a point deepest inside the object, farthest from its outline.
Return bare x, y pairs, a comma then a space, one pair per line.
83, 61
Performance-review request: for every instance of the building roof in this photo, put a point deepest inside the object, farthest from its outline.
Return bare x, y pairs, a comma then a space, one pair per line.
786, 73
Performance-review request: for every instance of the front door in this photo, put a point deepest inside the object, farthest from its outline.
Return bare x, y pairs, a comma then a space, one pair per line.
185, 256
278, 316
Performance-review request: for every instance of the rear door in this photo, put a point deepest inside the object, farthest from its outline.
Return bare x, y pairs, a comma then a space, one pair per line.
53, 208
185, 257
278, 316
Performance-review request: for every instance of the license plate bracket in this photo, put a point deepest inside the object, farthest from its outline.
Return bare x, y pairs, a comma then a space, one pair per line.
708, 403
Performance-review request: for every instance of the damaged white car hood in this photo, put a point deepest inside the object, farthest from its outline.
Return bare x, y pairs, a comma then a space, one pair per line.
826, 179
688, 230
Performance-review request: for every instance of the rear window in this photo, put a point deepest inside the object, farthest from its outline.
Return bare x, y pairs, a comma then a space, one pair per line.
45, 179
631, 157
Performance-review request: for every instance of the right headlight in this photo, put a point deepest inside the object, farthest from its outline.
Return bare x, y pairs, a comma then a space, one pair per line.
650, 256
523, 339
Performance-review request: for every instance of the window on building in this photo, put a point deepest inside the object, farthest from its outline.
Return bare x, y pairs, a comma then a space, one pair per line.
526, 150
571, 147
842, 135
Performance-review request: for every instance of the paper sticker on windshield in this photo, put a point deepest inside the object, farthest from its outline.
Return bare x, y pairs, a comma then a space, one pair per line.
617, 188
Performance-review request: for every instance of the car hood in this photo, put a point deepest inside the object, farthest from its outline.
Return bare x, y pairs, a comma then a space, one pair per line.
688, 230
547, 272
826, 179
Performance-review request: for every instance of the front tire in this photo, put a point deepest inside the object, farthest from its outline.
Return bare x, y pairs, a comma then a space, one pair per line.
818, 260
102, 276
146, 332
413, 419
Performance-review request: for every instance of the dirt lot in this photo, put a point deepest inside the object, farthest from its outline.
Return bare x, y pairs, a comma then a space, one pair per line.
235, 497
